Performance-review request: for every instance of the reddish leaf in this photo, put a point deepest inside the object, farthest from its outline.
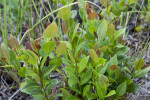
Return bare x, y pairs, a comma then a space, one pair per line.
95, 34
48, 23
3, 58
145, 66
37, 44
98, 52
28, 46
113, 67
88, 11
64, 26
92, 16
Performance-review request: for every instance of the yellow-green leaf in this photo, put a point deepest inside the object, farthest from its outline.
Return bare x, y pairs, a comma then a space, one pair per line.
14, 42
65, 13
50, 31
49, 47
94, 55
61, 48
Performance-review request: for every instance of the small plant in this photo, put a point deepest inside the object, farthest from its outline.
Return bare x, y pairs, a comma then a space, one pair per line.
95, 58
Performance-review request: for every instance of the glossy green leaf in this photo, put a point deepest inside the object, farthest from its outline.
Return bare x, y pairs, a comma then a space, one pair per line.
112, 92
50, 31
86, 89
86, 77
51, 84
49, 69
121, 89
83, 64
48, 47
22, 72
61, 48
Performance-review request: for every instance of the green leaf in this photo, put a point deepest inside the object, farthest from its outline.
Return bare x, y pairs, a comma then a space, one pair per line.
69, 70
43, 62
99, 91
65, 13
86, 77
113, 61
50, 31
103, 82
125, 79
22, 72
94, 55
91, 95
103, 70
83, 64
49, 47
92, 29
78, 48
119, 33
14, 76
65, 93
123, 50
49, 69
14, 60
56, 60
81, 4
61, 48
32, 89
72, 98
75, 31
121, 89
52, 83
72, 81
112, 92
102, 29
7, 66
132, 88
33, 58
132, 1
86, 89
142, 72
30, 72
118, 73
71, 56
139, 64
